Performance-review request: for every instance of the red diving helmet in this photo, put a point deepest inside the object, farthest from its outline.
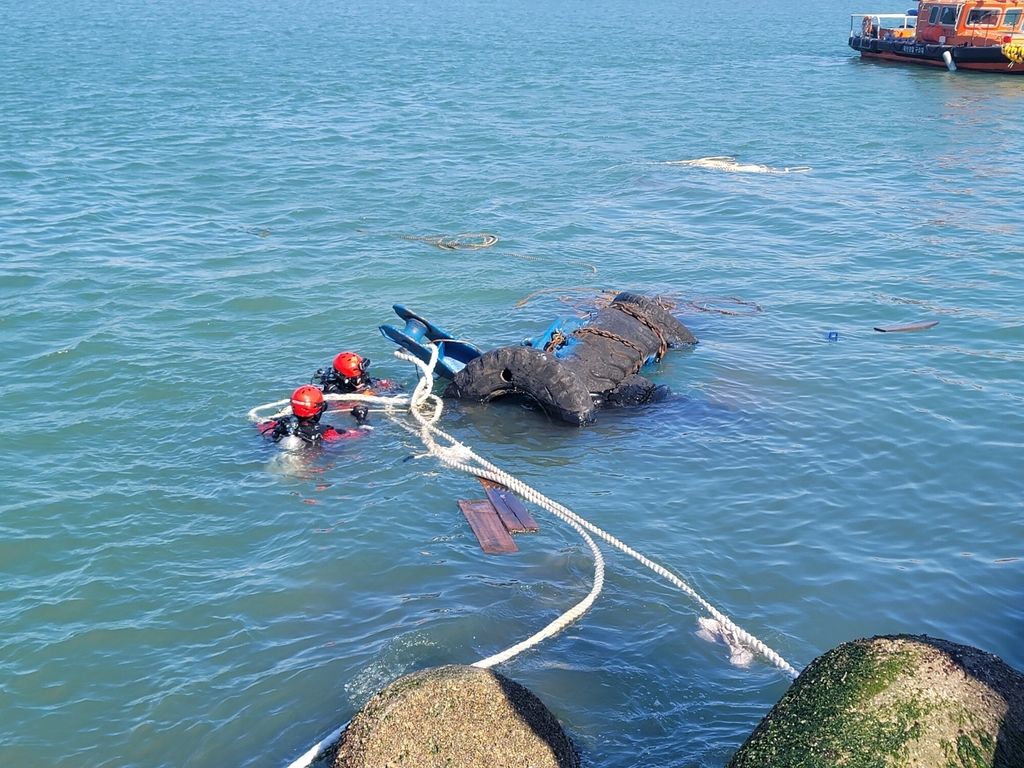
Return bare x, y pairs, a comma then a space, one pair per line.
350, 365
308, 401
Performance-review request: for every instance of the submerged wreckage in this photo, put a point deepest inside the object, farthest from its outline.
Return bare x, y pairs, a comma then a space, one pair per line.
577, 366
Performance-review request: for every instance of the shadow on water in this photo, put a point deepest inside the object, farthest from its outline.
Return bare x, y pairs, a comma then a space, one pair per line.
532, 712
513, 415
680, 414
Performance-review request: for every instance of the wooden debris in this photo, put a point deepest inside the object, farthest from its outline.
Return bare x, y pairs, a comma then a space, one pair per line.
490, 531
511, 510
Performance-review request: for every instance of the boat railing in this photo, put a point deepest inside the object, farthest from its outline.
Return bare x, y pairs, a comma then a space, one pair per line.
882, 25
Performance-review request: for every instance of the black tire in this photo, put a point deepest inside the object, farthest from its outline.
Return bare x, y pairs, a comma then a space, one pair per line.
600, 362
526, 371
618, 340
676, 334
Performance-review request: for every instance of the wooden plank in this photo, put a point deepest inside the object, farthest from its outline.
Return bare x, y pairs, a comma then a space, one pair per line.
511, 510
910, 327
508, 517
490, 532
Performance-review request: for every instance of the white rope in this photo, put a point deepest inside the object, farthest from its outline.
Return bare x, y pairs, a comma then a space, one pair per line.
459, 456
427, 408
311, 754
388, 404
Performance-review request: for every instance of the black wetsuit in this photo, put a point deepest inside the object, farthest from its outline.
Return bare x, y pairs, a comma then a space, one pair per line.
309, 430
333, 383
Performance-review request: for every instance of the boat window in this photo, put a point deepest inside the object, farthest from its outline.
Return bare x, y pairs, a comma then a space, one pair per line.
1012, 18
983, 17
948, 16
933, 15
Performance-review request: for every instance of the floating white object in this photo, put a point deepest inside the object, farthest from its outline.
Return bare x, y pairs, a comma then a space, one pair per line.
727, 163
948, 58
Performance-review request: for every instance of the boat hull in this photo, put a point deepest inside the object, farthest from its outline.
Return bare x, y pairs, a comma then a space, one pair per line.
980, 59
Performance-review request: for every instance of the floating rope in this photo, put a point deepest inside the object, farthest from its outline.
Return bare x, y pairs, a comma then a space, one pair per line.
467, 241
525, 301
704, 305
310, 755
670, 302
426, 408
388, 404
459, 456
472, 241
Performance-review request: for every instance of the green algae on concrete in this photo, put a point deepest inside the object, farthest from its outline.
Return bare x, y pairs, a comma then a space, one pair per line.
455, 716
893, 702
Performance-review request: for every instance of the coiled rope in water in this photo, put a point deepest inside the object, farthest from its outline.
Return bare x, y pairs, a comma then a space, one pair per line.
573, 262
388, 404
472, 241
467, 241
705, 305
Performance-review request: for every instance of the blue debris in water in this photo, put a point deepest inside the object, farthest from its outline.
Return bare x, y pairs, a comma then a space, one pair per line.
833, 335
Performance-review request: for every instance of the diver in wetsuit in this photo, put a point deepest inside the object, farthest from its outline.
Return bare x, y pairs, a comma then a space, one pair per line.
308, 405
347, 375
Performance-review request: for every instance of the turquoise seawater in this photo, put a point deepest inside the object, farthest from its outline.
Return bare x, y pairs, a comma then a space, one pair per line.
199, 207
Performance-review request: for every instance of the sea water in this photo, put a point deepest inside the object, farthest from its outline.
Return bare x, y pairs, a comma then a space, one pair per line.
201, 203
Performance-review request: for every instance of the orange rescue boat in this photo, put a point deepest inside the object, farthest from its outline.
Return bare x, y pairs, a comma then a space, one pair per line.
982, 35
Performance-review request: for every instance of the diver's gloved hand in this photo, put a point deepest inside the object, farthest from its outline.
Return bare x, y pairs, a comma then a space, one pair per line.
362, 415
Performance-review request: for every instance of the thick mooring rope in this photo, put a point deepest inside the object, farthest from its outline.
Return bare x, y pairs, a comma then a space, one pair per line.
388, 403
459, 456
426, 408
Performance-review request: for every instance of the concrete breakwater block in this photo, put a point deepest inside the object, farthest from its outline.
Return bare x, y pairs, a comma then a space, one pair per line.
455, 716
896, 700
